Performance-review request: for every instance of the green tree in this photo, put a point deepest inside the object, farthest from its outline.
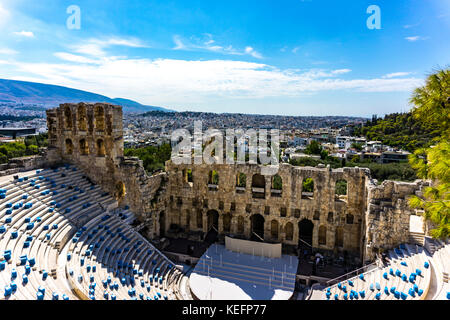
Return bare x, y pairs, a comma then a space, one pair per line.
313, 148
308, 185
432, 106
357, 146
432, 101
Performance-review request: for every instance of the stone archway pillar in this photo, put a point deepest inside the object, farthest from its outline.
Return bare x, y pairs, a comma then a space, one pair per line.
205, 222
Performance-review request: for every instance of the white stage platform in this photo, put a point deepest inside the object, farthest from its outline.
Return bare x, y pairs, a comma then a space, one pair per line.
222, 274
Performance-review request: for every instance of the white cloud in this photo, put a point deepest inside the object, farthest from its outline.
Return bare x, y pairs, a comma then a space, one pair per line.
415, 38
396, 74
8, 51
23, 33
96, 47
253, 53
408, 26
179, 45
73, 58
295, 49
4, 15
180, 82
210, 45
340, 71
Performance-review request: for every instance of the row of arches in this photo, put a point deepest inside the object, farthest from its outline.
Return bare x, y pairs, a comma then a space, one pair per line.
257, 228
258, 184
257, 223
84, 147
99, 118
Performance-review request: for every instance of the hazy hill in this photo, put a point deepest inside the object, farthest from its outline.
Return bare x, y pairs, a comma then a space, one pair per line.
49, 96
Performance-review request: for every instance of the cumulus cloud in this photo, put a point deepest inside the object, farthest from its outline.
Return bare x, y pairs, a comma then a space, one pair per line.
180, 82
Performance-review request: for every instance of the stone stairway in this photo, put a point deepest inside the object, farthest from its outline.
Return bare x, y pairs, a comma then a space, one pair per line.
416, 238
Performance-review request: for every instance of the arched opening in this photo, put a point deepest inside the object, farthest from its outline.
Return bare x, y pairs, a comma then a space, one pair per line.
241, 225
101, 152
258, 186
199, 219
349, 218
277, 186
330, 217
213, 180
82, 118
99, 116
257, 227
187, 176
162, 224
289, 231
226, 219
188, 220
84, 147
213, 219
241, 182
322, 235
67, 118
274, 229
120, 191
308, 188
339, 237
305, 229
69, 146
341, 190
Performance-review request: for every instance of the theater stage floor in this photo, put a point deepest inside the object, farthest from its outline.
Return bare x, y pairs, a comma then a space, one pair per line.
222, 274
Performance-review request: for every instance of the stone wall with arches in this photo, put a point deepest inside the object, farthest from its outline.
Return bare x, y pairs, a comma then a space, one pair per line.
340, 209
277, 198
90, 135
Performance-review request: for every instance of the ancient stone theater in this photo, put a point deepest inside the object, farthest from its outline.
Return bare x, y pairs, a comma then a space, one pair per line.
82, 221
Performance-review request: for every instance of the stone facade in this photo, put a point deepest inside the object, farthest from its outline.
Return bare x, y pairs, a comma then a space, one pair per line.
388, 214
281, 211
240, 199
91, 137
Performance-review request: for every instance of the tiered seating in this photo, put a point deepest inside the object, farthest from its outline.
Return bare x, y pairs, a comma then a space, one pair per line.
441, 267
49, 219
407, 277
110, 261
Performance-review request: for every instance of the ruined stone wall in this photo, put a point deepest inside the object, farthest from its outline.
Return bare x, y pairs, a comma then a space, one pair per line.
188, 202
20, 164
367, 219
91, 137
388, 214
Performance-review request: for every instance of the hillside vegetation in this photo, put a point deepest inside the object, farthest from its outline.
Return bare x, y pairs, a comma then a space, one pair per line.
30, 146
153, 157
400, 130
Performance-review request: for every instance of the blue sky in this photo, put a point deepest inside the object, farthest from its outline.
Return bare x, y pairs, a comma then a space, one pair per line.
293, 57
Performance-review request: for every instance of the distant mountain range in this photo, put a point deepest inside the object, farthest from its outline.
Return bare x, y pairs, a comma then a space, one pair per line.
50, 96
